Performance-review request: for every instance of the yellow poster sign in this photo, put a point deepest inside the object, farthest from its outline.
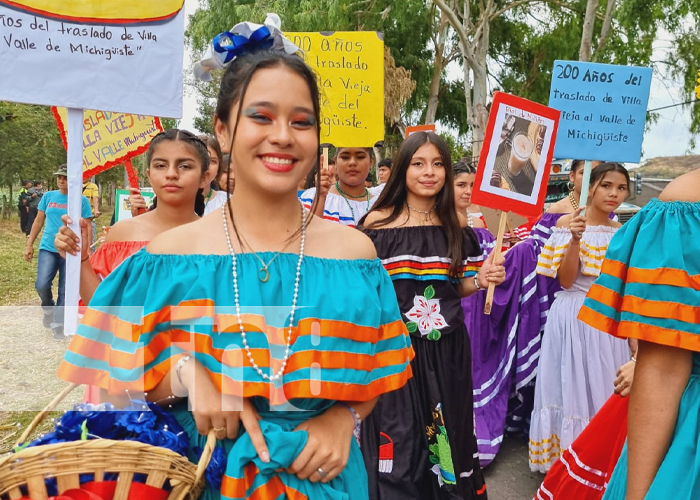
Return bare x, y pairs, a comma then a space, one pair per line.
350, 69
110, 139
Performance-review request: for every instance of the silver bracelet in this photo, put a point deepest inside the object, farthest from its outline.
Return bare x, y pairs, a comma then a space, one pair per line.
476, 283
178, 368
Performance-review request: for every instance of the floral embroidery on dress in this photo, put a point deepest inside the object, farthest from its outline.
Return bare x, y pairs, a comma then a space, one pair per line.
425, 315
440, 452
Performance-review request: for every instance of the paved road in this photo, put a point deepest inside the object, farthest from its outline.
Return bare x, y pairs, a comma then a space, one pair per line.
509, 477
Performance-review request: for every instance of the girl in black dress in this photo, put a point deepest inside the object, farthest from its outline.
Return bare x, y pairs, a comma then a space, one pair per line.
419, 443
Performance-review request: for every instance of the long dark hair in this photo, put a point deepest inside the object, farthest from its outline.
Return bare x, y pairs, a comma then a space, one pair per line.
200, 148
395, 193
234, 85
213, 143
599, 172
462, 167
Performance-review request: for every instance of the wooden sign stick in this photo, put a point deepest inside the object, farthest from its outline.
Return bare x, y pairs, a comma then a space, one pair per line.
585, 186
496, 255
325, 158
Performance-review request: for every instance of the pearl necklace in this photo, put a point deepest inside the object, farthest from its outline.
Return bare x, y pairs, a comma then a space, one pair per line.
470, 220
287, 350
573, 201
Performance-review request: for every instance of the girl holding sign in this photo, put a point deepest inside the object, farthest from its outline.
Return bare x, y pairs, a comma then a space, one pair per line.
348, 200
578, 364
419, 443
177, 168
278, 361
569, 204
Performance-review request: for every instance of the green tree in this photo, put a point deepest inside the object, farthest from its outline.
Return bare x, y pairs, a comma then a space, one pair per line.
30, 144
406, 25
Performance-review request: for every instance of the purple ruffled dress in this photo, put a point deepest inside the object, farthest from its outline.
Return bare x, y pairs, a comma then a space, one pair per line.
506, 344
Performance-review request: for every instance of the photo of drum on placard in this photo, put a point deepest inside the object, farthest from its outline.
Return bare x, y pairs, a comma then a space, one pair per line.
514, 162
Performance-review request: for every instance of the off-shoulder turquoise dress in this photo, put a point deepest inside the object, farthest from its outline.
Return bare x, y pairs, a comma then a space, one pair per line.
649, 289
349, 344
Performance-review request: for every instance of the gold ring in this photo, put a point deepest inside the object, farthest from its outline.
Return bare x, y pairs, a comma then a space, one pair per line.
321, 473
219, 429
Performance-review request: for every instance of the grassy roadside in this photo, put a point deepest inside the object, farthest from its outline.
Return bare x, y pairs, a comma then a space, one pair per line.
17, 289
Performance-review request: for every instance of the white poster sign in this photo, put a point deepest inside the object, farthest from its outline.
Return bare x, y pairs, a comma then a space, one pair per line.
130, 65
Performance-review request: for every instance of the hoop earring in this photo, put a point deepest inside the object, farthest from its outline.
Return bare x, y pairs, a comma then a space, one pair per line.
570, 186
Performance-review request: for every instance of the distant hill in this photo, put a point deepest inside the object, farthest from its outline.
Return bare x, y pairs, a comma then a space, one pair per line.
669, 167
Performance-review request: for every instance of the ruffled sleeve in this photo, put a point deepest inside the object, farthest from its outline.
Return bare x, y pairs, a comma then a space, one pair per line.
649, 287
109, 255
348, 343
486, 244
594, 244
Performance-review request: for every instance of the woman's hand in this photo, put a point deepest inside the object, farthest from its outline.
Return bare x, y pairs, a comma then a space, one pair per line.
327, 447
137, 203
492, 271
220, 412
67, 242
325, 183
625, 376
577, 225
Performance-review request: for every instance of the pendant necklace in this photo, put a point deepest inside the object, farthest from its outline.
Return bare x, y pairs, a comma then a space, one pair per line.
427, 213
264, 273
234, 272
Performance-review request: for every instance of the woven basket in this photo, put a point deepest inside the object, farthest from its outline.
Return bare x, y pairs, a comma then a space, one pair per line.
30, 467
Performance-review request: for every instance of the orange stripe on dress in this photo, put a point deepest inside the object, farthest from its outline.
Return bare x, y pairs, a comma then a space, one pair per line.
231, 357
251, 322
659, 276
238, 487
315, 389
598, 321
645, 307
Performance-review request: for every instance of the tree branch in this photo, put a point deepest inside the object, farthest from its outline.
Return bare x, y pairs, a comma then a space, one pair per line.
453, 19
607, 23
510, 6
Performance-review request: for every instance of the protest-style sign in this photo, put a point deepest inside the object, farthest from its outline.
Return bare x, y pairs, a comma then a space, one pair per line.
350, 69
603, 110
90, 12
110, 139
514, 163
124, 64
112, 55
123, 209
419, 128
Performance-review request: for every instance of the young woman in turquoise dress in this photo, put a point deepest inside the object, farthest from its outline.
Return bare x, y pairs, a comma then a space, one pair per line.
420, 444
648, 290
284, 358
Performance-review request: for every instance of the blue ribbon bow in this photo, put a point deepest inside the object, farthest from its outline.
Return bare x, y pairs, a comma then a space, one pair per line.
260, 39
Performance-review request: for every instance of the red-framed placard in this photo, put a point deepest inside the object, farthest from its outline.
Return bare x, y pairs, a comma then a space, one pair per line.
516, 156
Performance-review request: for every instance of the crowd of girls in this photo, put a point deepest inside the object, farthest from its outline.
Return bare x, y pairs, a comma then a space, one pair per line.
377, 333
